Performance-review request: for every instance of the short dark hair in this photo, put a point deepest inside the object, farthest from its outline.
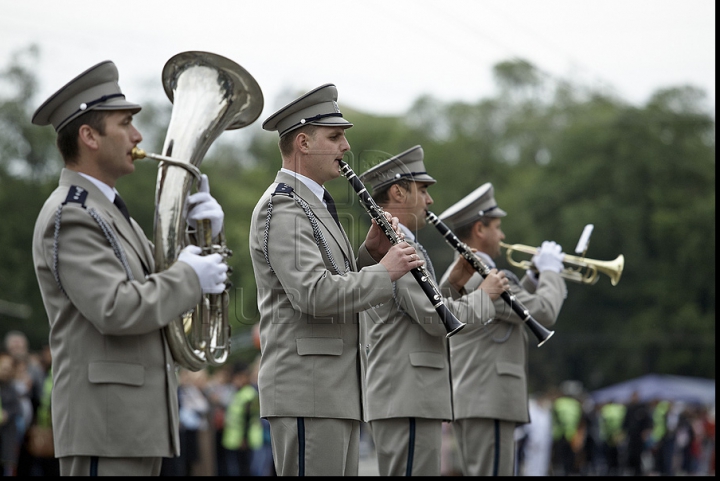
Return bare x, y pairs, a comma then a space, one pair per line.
67, 139
382, 197
464, 231
287, 140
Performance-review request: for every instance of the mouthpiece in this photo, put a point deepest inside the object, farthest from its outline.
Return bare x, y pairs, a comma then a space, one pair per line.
138, 153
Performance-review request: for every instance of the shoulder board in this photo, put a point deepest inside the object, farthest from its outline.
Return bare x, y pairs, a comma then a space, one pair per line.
77, 195
283, 189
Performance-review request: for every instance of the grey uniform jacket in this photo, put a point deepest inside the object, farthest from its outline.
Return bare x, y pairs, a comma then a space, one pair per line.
114, 382
310, 363
489, 363
405, 349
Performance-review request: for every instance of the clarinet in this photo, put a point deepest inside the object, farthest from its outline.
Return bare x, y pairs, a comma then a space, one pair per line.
451, 323
538, 329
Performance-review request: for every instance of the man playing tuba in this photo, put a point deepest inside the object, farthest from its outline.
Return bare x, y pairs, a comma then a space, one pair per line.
114, 399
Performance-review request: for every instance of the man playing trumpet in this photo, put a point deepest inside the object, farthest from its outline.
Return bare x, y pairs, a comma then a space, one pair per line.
489, 364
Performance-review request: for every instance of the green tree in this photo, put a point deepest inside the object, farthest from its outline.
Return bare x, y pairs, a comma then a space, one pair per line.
560, 156
28, 159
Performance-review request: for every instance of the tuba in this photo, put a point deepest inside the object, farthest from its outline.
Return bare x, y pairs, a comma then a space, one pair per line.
210, 94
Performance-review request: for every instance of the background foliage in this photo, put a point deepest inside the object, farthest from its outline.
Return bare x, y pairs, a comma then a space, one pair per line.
559, 155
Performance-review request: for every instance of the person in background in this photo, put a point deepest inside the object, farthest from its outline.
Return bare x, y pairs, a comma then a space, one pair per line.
39, 459
16, 344
612, 436
310, 289
405, 342
538, 437
708, 442
569, 430
638, 425
661, 438
489, 364
28, 382
114, 398
219, 392
10, 410
243, 432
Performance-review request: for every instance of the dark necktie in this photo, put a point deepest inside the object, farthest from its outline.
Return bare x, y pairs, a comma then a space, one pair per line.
331, 205
428, 263
120, 204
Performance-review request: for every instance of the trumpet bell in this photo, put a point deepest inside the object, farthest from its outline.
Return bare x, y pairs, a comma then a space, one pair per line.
612, 269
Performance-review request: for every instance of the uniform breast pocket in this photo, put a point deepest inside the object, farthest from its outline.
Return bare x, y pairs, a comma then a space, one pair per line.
116, 372
510, 369
433, 360
319, 346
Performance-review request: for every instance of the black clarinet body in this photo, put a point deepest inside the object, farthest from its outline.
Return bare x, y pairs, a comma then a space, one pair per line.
451, 323
538, 329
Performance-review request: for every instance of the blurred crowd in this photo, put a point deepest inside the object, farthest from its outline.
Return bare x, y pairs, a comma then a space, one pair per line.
222, 433
571, 435
25, 425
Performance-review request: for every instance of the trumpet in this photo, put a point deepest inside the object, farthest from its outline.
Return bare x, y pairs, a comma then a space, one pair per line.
585, 271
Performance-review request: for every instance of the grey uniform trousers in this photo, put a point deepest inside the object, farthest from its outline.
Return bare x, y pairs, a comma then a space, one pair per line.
315, 446
408, 446
487, 446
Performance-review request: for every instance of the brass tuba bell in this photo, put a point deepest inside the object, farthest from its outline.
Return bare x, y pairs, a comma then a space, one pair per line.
210, 94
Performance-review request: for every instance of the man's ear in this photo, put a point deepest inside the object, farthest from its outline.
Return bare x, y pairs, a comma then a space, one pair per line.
397, 193
478, 229
88, 137
302, 142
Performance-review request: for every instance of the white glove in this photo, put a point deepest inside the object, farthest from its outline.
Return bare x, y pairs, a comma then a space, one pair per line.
549, 257
201, 205
210, 269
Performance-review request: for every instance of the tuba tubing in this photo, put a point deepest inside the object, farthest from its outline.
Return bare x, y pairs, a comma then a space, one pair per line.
210, 94
541, 333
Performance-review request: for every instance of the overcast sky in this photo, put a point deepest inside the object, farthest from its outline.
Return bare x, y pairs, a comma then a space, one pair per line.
381, 54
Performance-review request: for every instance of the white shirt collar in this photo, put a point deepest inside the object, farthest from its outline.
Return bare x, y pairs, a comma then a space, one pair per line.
486, 259
316, 188
408, 233
104, 188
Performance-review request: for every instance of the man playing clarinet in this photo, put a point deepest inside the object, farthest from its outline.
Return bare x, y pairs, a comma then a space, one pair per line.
404, 340
310, 288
